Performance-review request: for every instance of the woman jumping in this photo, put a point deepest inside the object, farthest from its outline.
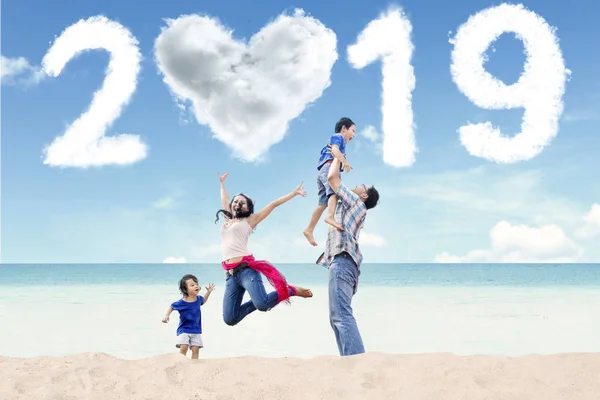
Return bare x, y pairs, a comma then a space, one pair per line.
242, 271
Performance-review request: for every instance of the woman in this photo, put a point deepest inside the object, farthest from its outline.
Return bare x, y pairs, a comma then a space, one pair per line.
243, 272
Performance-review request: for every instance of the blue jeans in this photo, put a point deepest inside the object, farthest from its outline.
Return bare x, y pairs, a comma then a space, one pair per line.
236, 285
343, 283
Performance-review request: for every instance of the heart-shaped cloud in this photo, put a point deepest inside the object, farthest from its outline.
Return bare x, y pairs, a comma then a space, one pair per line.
247, 93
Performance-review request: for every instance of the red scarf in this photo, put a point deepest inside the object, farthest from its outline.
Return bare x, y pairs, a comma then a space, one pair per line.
274, 277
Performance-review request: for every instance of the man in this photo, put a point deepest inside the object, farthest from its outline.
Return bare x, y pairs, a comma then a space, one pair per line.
344, 258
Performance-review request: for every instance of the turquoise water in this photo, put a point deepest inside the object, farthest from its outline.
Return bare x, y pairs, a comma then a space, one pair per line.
516, 275
508, 309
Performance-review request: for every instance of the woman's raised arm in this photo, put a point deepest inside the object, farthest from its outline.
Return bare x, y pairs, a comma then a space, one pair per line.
224, 195
257, 218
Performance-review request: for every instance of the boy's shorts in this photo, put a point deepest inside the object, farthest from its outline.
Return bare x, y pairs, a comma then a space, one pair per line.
191, 339
323, 188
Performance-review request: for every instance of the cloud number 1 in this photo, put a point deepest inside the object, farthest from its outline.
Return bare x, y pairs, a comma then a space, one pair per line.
84, 144
539, 89
388, 39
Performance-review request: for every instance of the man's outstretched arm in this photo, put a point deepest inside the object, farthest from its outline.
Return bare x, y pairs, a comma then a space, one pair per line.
347, 197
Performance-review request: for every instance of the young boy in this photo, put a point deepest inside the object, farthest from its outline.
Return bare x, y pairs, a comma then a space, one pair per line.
335, 148
189, 331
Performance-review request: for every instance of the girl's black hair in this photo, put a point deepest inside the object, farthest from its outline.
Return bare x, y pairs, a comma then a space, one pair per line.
183, 283
228, 213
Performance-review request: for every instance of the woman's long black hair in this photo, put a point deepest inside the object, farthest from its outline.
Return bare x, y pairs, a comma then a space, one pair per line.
228, 213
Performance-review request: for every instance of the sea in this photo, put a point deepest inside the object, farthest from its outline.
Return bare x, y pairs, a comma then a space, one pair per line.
499, 309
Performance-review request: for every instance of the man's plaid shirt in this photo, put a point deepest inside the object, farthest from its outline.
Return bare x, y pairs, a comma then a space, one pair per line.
350, 213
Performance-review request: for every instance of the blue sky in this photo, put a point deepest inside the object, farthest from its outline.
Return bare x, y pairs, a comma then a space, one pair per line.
447, 206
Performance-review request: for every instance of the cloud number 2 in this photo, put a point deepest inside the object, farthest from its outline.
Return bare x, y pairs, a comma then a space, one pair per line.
84, 143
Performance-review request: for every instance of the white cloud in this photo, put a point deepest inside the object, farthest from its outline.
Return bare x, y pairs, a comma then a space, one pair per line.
169, 201
84, 144
175, 260
247, 93
165, 202
370, 133
387, 38
447, 258
539, 90
593, 216
581, 115
487, 192
371, 240
18, 71
591, 223
372, 138
522, 244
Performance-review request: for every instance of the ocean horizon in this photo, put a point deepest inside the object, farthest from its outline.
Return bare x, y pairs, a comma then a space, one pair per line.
502, 309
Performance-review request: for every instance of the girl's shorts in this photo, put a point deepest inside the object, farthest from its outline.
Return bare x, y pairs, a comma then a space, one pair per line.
191, 339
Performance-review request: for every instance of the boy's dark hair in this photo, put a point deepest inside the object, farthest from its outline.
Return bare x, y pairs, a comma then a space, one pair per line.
183, 283
373, 198
343, 122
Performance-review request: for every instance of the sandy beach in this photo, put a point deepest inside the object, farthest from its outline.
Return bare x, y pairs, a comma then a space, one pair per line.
368, 376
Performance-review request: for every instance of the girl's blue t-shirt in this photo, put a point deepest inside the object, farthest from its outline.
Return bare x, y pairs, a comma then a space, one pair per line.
190, 315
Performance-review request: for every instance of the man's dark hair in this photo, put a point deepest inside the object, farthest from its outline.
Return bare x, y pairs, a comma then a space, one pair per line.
373, 198
344, 121
183, 283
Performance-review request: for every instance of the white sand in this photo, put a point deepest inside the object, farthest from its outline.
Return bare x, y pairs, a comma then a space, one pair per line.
368, 376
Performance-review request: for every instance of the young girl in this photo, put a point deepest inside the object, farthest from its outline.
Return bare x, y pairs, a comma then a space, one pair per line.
189, 331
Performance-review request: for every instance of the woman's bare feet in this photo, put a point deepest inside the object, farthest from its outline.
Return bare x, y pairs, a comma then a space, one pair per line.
303, 292
331, 221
